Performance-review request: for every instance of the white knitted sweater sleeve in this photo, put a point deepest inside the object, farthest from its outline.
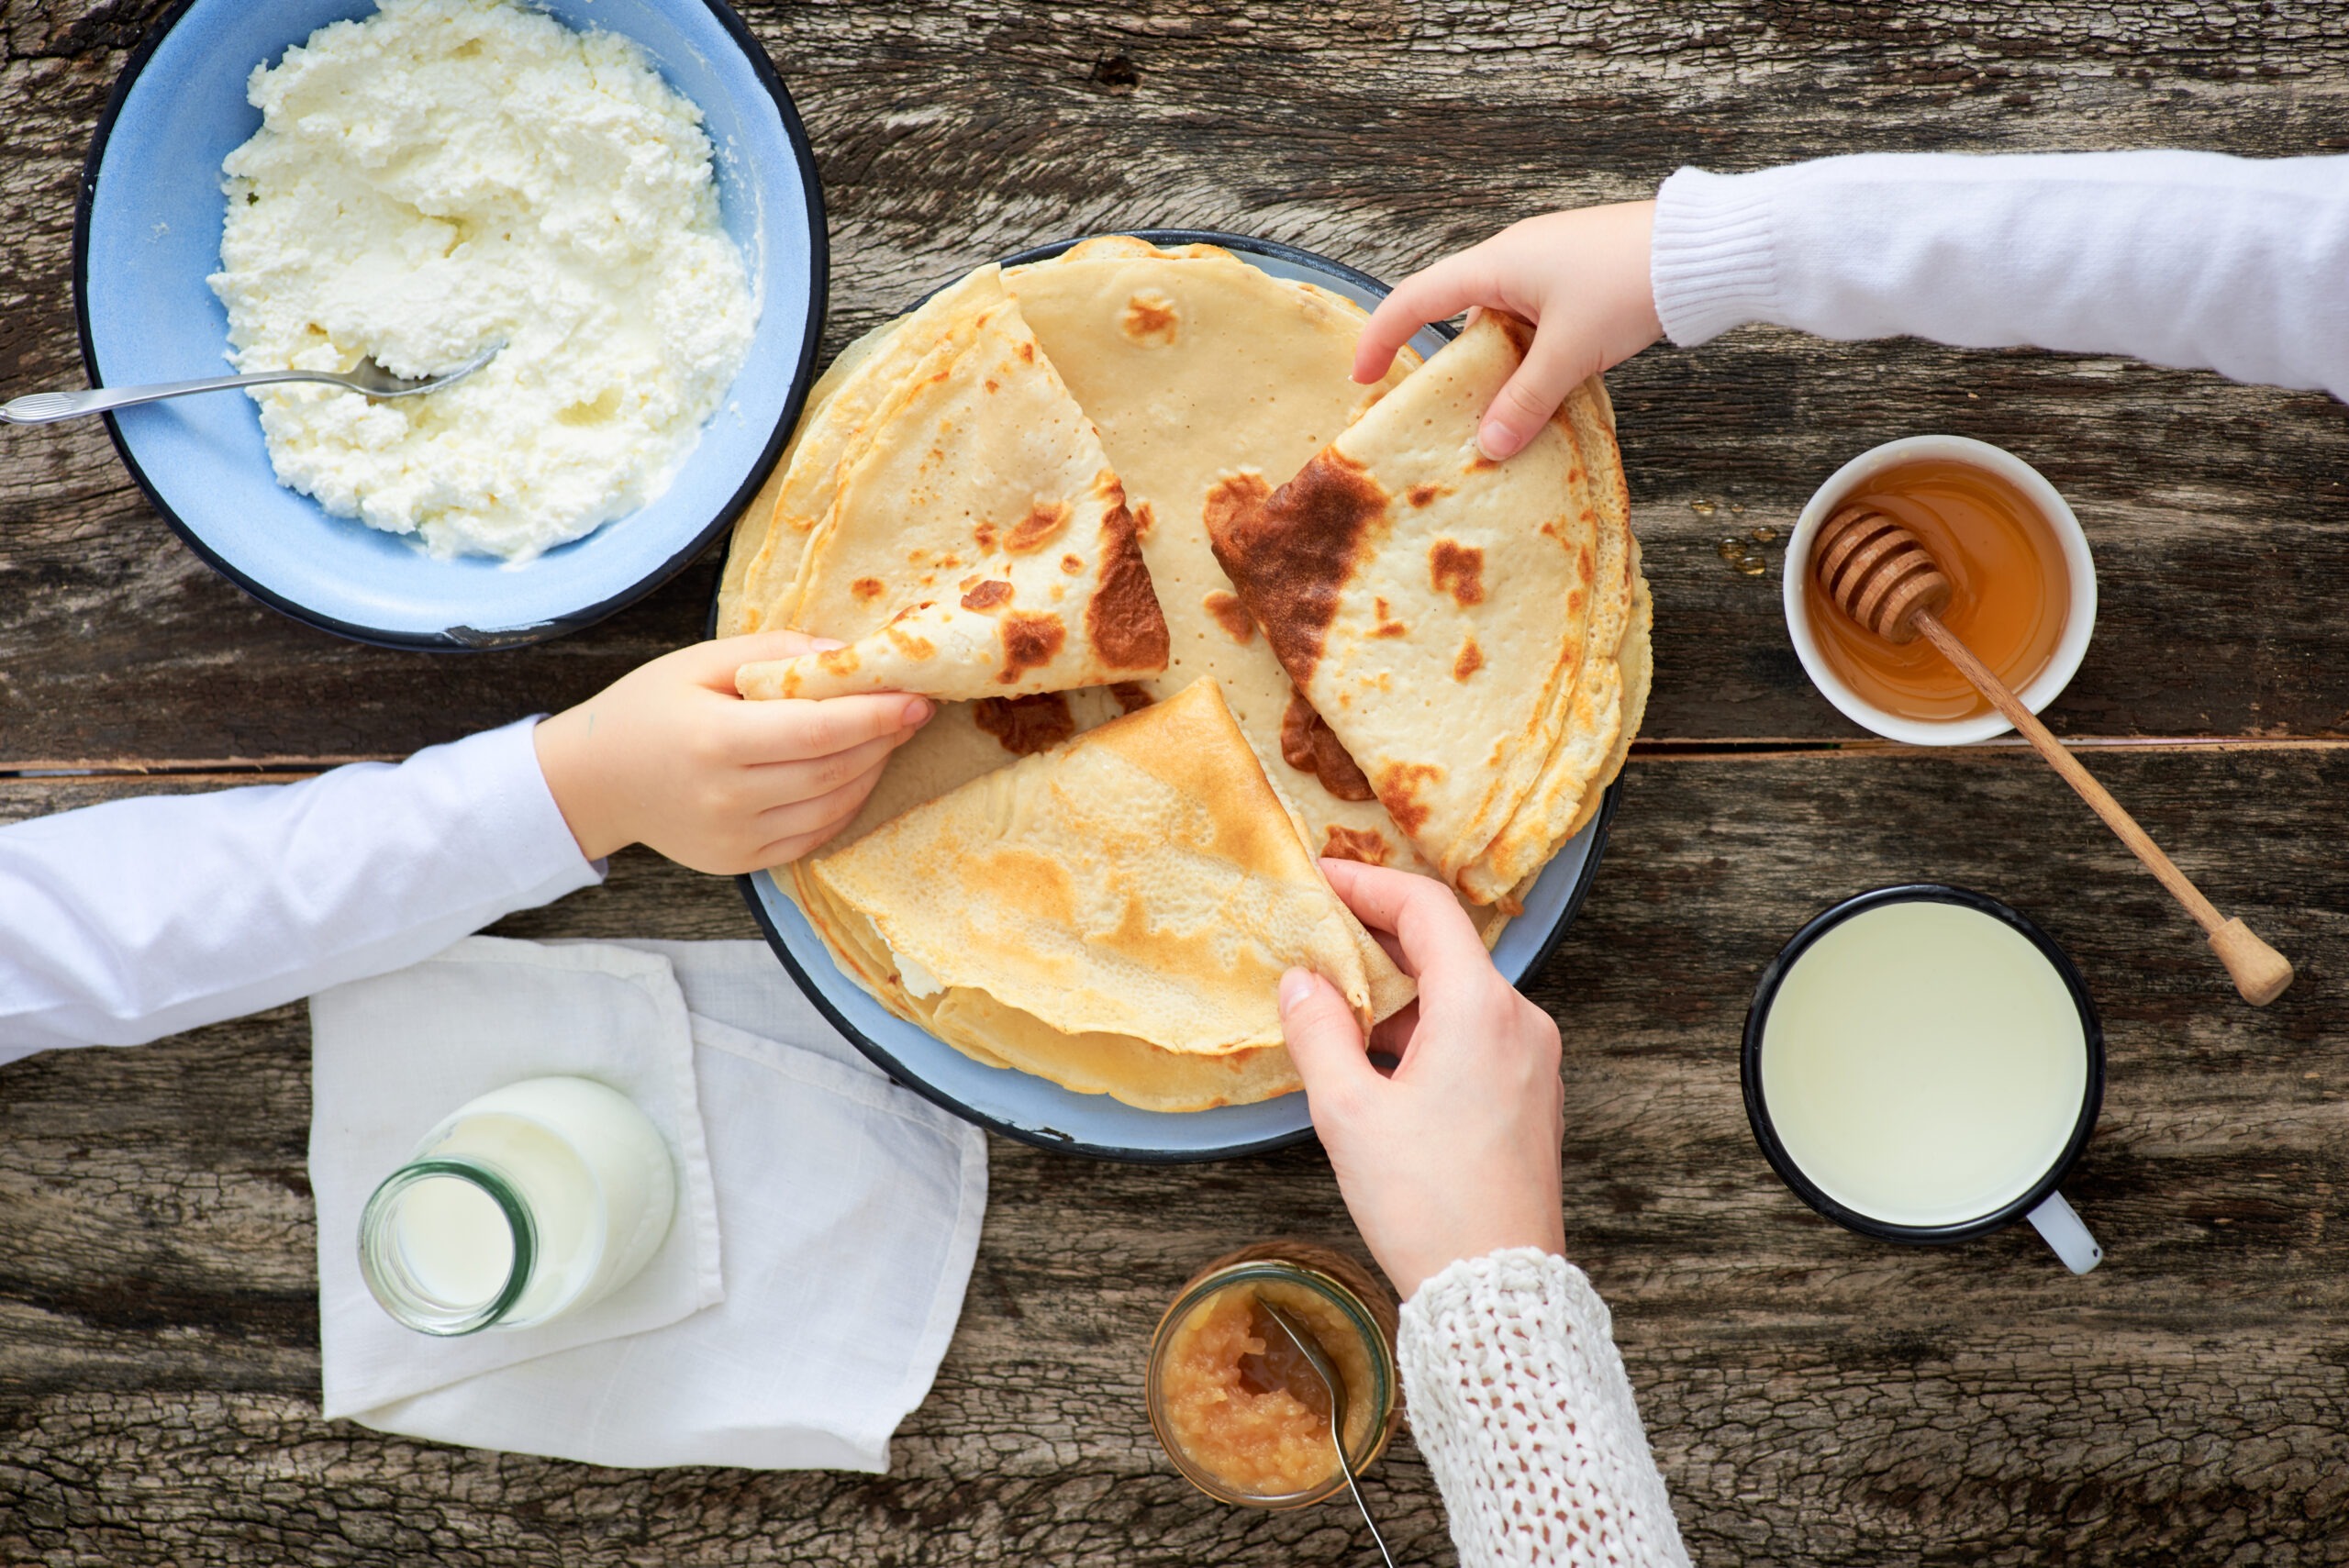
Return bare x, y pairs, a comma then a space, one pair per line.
1519, 1402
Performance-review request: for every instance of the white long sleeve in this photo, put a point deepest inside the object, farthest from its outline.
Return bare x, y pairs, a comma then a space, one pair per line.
2192, 259
1518, 1398
123, 922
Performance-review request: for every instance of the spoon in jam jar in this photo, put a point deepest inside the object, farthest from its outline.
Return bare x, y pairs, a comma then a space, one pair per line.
1318, 1360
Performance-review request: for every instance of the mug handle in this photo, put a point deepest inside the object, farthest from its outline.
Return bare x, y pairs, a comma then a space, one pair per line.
2060, 1228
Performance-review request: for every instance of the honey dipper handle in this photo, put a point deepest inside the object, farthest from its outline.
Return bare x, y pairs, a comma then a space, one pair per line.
2261, 974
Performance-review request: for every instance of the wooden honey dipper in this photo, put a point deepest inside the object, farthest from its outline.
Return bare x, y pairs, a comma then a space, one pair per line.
1875, 572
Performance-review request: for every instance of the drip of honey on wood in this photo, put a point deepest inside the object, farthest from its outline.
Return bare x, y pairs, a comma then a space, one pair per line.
2010, 591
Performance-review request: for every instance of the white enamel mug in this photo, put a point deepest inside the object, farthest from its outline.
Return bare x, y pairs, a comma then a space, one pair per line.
1868, 1162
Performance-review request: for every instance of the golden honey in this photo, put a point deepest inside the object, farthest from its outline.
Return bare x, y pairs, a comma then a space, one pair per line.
2010, 591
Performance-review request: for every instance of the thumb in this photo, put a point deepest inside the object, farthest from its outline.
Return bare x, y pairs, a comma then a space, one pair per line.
714, 662
1560, 359
1324, 1040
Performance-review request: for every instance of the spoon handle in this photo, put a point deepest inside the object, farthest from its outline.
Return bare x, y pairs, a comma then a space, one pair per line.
2260, 973
47, 407
1348, 1471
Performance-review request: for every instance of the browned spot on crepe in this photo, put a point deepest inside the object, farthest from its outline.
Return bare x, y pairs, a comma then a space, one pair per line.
1024, 725
1387, 625
1425, 495
1150, 318
1520, 330
1027, 351
1043, 525
1362, 844
1399, 791
1311, 747
1144, 520
1471, 660
1289, 552
1480, 464
1073, 565
1131, 695
1458, 569
1030, 641
1231, 615
1128, 628
866, 588
987, 595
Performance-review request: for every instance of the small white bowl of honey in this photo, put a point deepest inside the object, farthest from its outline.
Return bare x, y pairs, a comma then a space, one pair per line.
2022, 590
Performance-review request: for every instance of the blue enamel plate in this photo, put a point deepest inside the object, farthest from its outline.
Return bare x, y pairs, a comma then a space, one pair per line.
146, 234
1036, 1110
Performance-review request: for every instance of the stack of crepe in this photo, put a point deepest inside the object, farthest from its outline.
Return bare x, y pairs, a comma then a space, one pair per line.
1474, 634
1189, 380
973, 541
1113, 915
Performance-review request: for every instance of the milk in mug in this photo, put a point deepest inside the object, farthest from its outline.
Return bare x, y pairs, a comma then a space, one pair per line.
1923, 1063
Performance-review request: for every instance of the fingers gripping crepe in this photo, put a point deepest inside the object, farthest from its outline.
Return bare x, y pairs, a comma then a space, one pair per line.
1432, 606
978, 543
1133, 894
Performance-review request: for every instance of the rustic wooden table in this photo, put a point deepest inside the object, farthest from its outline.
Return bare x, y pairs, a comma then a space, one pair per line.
1813, 1398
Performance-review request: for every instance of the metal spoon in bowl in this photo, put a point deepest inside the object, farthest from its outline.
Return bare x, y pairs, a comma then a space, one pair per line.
1331, 1378
368, 378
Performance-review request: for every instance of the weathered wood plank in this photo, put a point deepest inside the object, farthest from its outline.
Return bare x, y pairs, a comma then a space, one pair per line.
1384, 134
1814, 1398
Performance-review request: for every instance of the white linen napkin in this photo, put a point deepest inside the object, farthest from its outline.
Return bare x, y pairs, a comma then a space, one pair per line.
850, 1208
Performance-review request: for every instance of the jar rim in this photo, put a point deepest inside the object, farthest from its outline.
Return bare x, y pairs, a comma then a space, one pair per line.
384, 1275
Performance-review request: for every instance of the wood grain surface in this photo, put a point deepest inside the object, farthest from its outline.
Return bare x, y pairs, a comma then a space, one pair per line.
1813, 1398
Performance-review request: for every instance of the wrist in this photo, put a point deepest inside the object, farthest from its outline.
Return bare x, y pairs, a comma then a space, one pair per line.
564, 747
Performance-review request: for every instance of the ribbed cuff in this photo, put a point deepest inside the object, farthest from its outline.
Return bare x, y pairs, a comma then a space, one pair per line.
1711, 263
1514, 1272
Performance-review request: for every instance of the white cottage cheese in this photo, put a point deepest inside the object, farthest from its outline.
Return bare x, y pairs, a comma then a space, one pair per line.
449, 173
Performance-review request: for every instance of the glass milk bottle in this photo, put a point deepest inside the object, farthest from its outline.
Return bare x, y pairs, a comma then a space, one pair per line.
530, 1202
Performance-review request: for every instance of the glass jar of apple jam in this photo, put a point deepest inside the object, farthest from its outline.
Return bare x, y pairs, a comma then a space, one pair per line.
1236, 1404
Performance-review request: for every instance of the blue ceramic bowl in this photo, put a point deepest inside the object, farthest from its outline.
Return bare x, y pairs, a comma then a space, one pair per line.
1039, 1111
146, 234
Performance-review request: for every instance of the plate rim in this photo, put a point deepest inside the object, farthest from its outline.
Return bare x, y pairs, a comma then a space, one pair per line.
888, 1061
1123, 1154
447, 641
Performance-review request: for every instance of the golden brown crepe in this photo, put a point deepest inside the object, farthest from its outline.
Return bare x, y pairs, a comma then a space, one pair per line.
1194, 365
977, 543
1456, 623
771, 539
1113, 914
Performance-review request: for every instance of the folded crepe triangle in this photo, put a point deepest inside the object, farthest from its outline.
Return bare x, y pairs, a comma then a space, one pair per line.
977, 542
1457, 623
1113, 915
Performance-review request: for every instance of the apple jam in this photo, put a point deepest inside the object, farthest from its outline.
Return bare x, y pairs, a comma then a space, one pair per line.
1239, 1406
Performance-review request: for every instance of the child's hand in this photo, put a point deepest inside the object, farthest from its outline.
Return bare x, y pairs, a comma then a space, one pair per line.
1581, 277
670, 757
1456, 1155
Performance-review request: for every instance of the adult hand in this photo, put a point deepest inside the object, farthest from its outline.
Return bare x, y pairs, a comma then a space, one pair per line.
1580, 276
670, 756
1456, 1154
